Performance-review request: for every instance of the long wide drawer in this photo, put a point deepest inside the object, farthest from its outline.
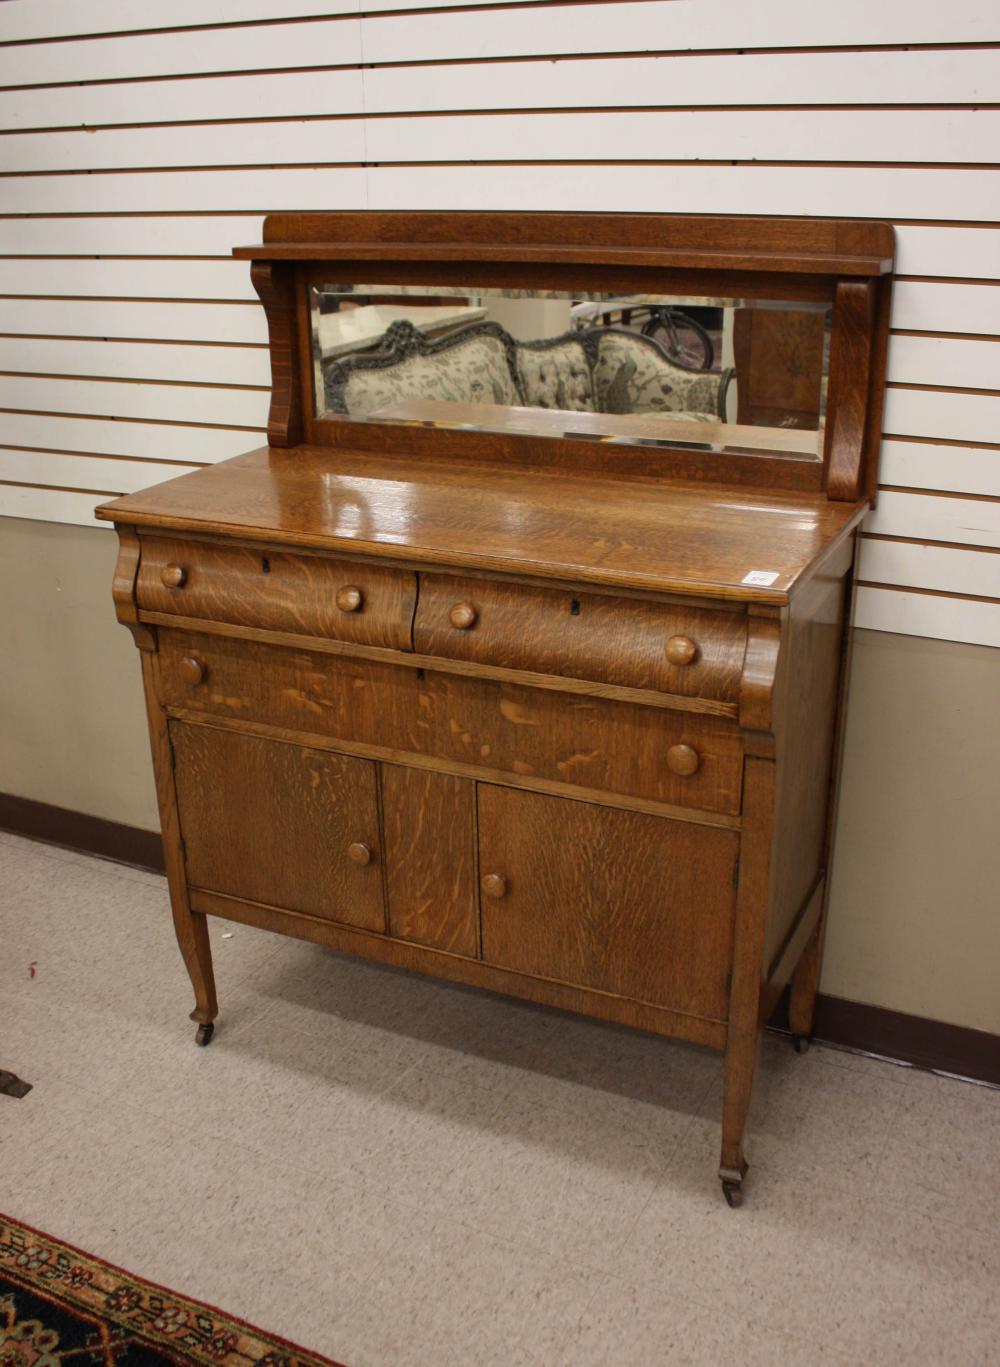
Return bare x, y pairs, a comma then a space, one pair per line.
665, 756
669, 647
312, 594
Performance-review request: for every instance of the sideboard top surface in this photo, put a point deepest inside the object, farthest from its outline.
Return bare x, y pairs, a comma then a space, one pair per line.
627, 533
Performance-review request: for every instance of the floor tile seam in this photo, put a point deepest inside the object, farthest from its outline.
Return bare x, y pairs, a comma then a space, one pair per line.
987, 1229
897, 1084
261, 1017
326, 1174
575, 1106
629, 1233
496, 1099
833, 1056
573, 1333
274, 1005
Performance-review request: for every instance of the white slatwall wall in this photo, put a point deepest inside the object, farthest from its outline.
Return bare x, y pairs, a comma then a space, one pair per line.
140, 141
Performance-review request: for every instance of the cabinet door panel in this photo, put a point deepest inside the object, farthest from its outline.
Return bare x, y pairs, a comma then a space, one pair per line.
277, 823
429, 822
619, 901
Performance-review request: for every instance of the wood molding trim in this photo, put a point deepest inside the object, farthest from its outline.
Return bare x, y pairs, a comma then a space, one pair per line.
854, 1026
935, 1045
78, 831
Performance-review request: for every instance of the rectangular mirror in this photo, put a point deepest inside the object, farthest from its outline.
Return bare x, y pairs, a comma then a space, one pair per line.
726, 374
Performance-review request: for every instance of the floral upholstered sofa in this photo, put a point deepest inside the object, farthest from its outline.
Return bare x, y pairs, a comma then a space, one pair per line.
600, 370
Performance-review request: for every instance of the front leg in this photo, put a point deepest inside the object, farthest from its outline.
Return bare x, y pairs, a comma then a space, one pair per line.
190, 927
742, 1052
745, 1025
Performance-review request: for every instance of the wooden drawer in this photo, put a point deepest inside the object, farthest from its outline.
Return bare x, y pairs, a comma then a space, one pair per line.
368, 604
696, 652
666, 756
618, 901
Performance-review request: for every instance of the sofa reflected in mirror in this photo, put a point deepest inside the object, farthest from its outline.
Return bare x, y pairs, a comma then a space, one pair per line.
711, 372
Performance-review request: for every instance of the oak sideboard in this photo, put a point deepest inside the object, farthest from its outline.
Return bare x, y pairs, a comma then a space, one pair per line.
518, 655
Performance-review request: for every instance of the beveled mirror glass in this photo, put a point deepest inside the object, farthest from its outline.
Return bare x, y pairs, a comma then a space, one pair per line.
734, 374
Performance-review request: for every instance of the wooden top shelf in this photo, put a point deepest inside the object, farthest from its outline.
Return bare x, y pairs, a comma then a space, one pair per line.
681, 242
665, 258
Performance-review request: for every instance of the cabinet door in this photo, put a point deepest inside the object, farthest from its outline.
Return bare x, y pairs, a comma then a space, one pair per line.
282, 824
637, 905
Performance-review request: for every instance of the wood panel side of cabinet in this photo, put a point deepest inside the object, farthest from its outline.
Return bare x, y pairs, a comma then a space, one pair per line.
807, 716
428, 822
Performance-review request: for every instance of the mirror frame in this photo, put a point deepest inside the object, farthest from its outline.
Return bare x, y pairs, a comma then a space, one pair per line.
844, 263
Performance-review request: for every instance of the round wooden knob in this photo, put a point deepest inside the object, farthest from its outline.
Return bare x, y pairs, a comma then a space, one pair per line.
192, 670
463, 616
494, 885
358, 853
349, 598
173, 576
683, 760
681, 650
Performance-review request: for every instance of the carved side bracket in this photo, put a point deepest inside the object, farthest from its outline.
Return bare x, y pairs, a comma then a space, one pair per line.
275, 284
758, 683
848, 391
876, 399
123, 588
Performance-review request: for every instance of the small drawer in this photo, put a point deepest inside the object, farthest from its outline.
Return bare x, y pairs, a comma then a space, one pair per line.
277, 590
482, 727
666, 647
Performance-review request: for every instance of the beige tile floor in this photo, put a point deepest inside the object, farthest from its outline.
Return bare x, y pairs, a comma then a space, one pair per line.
393, 1171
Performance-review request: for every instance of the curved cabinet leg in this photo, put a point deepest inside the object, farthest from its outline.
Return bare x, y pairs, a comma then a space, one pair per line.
804, 989
190, 927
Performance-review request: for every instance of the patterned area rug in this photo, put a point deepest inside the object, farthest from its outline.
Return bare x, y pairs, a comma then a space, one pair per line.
57, 1303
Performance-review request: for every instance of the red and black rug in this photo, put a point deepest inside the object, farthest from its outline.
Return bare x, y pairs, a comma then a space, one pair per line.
58, 1303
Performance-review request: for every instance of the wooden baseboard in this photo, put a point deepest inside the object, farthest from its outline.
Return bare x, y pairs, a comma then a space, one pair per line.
844, 1024
77, 831
936, 1045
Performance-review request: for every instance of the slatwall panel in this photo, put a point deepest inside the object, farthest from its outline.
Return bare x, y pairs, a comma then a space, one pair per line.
140, 142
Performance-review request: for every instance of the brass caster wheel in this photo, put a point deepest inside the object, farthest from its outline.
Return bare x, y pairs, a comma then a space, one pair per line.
801, 1043
733, 1192
205, 1033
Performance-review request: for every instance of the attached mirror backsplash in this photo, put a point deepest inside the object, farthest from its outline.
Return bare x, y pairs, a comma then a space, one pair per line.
743, 374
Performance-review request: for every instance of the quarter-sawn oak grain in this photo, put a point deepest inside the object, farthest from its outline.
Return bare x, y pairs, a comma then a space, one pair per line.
623, 533
430, 841
275, 823
618, 901
556, 717
593, 743
582, 635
